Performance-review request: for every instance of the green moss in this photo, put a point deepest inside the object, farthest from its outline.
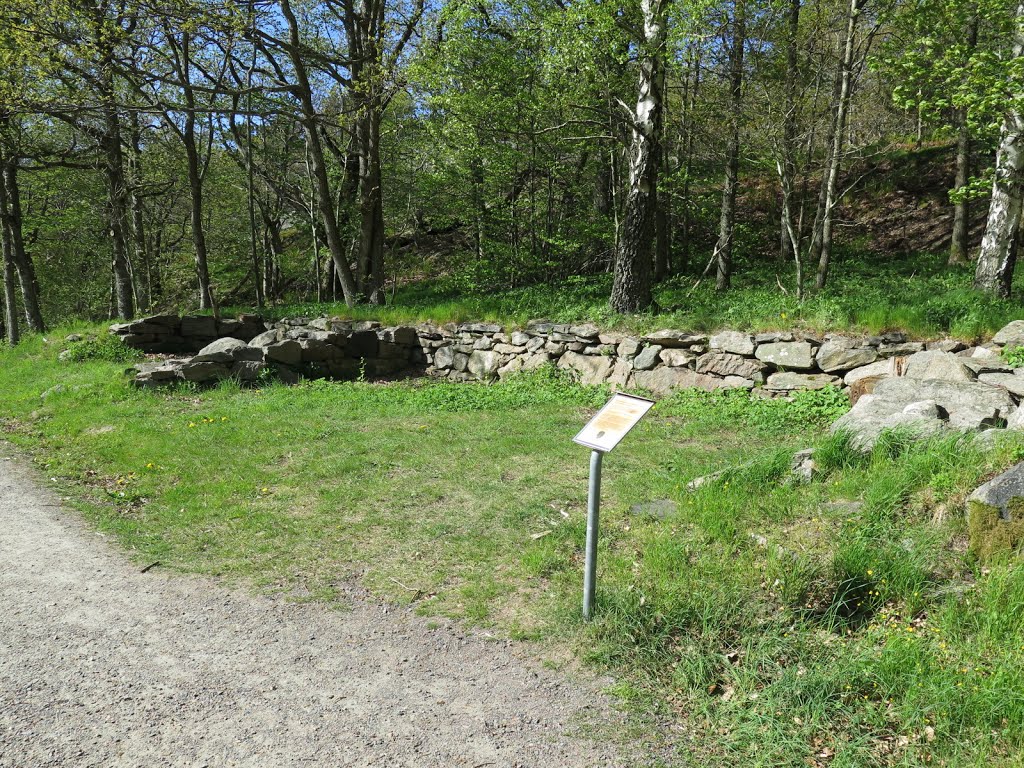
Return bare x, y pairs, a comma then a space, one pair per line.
991, 537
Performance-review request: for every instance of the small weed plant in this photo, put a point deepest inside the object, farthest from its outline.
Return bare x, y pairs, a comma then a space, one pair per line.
103, 347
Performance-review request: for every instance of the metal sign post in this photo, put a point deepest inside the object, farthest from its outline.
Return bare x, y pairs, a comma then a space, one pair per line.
601, 434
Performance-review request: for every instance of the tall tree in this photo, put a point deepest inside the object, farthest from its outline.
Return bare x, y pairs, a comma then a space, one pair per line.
994, 273
727, 217
631, 289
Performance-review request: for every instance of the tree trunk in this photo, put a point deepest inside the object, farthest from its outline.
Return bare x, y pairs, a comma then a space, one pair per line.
789, 130
631, 289
961, 208
994, 273
662, 226
324, 198
138, 214
371, 206
124, 296
10, 209
838, 141
727, 220
10, 318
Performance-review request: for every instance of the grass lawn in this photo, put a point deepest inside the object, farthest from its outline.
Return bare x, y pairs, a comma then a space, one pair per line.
838, 623
868, 293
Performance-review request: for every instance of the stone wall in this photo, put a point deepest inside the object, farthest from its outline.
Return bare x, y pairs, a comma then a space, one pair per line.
661, 362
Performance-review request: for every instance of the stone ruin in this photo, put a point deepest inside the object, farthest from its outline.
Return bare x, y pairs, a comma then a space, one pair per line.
891, 381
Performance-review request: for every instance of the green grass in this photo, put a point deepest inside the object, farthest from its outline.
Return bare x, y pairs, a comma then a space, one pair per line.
837, 623
867, 294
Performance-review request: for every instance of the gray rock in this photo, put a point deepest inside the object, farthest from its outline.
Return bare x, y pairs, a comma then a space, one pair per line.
937, 365
444, 357
621, 371
883, 368
844, 354
196, 325
787, 381
664, 380
1008, 381
945, 345
204, 371
221, 351
728, 364
247, 370
266, 338
1002, 491
586, 332
772, 336
484, 343
977, 417
484, 365
900, 349
512, 367
555, 348
789, 355
317, 351
1011, 335
535, 344
508, 349
927, 409
803, 467
628, 347
896, 402
288, 352
403, 334
536, 360
363, 342
521, 339
679, 358
460, 362
648, 358
733, 341
592, 369
673, 339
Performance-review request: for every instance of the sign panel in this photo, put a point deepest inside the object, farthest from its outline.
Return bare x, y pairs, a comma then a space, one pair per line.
613, 422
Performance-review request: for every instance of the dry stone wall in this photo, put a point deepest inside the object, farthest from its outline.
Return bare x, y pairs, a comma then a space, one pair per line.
661, 362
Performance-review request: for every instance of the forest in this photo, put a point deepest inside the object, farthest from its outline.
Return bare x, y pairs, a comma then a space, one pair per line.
207, 153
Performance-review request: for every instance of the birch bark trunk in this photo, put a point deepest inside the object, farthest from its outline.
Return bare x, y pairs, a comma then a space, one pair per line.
994, 273
631, 288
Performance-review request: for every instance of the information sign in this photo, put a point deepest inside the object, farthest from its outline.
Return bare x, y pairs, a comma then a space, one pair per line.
613, 422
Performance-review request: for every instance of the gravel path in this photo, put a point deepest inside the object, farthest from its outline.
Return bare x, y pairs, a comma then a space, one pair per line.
101, 665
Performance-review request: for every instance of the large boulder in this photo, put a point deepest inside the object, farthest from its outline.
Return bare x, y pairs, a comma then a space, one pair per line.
1011, 335
897, 402
227, 350
788, 355
844, 354
592, 369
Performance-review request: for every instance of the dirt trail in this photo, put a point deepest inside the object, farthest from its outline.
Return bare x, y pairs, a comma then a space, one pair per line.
101, 665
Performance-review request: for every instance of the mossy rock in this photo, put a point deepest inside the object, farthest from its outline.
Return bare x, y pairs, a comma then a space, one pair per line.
992, 537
